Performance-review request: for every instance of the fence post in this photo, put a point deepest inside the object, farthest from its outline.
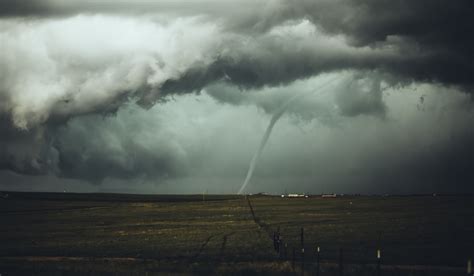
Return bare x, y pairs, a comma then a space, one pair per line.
317, 260
379, 257
302, 261
341, 262
302, 250
469, 267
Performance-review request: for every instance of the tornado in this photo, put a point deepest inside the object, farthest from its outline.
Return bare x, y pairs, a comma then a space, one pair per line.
276, 116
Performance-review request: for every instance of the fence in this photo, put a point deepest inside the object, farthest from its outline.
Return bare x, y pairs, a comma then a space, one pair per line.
308, 260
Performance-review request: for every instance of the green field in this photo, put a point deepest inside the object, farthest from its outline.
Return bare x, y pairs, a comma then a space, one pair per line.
94, 234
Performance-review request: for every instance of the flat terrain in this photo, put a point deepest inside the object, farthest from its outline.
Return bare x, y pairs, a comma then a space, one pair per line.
94, 234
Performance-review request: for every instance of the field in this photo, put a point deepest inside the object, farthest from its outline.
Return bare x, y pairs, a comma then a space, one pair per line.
108, 234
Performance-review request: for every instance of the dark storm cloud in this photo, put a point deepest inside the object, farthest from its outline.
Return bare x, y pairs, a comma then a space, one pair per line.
58, 8
192, 139
431, 41
355, 94
365, 96
439, 33
26, 151
434, 38
117, 149
408, 41
66, 64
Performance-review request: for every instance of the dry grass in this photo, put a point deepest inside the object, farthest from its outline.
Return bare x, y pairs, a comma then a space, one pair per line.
220, 236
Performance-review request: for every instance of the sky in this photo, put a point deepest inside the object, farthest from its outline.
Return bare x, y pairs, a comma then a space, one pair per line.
175, 96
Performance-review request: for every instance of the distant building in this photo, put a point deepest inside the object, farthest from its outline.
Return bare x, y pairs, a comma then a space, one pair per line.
328, 195
294, 195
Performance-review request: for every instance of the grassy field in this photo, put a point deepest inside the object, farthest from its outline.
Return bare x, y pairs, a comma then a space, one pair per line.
67, 234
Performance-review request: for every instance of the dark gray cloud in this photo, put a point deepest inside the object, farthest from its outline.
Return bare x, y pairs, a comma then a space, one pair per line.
66, 91
57, 8
416, 41
302, 40
121, 148
197, 142
436, 33
355, 94
365, 96
434, 38
26, 151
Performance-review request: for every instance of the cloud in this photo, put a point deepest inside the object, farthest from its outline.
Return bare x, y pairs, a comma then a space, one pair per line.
65, 70
183, 136
361, 95
62, 69
126, 146
27, 152
83, 68
197, 141
433, 35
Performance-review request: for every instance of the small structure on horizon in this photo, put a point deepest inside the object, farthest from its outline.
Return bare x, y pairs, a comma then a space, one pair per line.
329, 195
295, 195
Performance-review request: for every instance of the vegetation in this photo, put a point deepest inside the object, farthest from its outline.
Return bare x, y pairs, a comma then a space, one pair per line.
99, 234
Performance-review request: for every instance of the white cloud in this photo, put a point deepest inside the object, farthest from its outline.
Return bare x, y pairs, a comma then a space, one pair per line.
76, 65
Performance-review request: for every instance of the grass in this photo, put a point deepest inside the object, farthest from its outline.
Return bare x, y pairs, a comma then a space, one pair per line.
106, 233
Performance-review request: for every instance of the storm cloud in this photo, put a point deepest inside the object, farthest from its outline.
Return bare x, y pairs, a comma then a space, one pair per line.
152, 90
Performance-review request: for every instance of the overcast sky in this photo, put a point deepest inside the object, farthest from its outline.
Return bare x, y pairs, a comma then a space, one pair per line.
175, 96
